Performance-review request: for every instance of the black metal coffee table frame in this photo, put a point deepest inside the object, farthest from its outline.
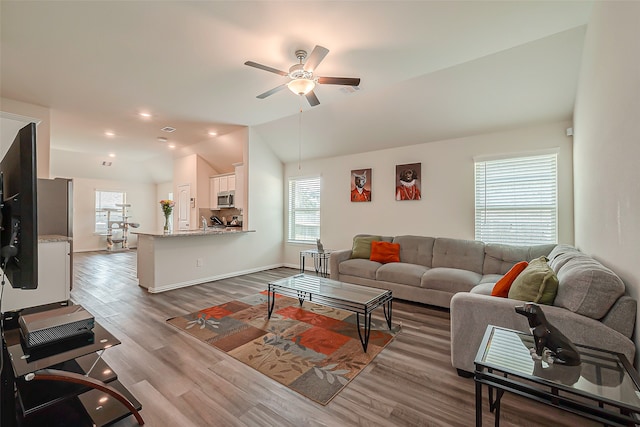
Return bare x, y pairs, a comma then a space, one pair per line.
308, 288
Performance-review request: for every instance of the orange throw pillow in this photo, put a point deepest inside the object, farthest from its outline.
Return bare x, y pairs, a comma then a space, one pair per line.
385, 252
501, 288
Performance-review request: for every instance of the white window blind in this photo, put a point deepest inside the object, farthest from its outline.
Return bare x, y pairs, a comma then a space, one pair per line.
107, 209
304, 209
516, 200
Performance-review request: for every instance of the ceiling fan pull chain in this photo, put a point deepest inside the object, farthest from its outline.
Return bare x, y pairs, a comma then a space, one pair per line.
300, 135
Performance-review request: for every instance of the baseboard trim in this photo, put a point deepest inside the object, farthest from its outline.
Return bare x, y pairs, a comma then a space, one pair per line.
159, 289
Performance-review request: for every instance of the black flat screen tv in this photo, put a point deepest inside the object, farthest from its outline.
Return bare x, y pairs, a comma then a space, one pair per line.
19, 225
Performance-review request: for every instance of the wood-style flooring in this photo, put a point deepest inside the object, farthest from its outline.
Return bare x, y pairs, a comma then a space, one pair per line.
182, 382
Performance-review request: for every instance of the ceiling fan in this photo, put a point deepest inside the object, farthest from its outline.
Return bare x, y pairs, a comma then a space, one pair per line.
302, 79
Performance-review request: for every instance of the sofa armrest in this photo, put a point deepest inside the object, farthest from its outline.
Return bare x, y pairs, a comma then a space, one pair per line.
334, 261
471, 313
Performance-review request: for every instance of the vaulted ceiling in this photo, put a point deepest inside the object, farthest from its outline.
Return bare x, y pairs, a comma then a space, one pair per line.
430, 70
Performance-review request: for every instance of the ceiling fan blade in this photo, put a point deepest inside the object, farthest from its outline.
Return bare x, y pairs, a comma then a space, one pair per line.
346, 81
266, 68
272, 91
312, 98
317, 55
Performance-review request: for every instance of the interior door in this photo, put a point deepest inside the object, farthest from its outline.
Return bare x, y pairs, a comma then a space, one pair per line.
184, 206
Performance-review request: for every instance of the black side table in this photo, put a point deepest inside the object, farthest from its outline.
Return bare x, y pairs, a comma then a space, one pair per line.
604, 387
320, 260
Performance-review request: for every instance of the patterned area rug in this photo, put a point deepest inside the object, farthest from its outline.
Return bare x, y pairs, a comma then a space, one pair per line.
314, 350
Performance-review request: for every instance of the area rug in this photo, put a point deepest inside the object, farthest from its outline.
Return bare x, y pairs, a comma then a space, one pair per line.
314, 350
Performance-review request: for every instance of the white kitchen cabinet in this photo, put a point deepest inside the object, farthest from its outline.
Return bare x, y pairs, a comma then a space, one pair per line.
218, 183
54, 278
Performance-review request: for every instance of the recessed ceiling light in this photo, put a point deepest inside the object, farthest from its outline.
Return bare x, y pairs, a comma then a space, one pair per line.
112, 154
162, 139
145, 114
168, 129
109, 133
172, 146
213, 133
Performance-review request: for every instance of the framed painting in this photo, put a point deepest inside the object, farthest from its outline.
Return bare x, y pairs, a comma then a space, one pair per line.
361, 185
408, 181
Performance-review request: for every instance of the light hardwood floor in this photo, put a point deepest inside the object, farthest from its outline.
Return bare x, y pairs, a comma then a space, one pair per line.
182, 382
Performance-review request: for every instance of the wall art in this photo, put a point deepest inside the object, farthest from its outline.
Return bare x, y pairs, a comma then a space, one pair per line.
408, 181
361, 185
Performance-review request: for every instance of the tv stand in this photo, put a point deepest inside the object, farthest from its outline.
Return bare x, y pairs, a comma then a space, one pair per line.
67, 381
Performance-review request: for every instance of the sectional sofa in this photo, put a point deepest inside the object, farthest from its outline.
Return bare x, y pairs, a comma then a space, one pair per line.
590, 307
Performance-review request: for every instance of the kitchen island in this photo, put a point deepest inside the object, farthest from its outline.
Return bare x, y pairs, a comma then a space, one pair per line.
183, 258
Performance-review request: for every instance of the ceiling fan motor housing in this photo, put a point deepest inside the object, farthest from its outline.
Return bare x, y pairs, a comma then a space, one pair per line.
297, 72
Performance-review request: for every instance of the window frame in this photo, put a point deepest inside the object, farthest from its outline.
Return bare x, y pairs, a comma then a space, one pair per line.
105, 230
292, 236
510, 225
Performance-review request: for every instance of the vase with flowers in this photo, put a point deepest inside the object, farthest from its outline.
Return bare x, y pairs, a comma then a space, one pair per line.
167, 208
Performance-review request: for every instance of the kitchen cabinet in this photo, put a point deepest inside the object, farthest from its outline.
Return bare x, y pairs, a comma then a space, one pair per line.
218, 183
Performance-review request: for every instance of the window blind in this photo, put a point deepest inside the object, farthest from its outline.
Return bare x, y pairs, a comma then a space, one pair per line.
304, 209
516, 200
107, 209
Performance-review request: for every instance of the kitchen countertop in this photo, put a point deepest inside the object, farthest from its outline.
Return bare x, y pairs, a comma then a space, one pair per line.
199, 232
49, 238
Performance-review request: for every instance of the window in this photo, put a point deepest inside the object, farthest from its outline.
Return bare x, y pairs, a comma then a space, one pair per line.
304, 209
107, 209
516, 200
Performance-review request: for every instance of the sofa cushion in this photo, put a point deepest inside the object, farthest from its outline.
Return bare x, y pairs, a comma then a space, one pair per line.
499, 258
502, 286
587, 287
457, 253
400, 272
482, 289
537, 283
362, 246
359, 267
415, 249
385, 252
561, 254
450, 279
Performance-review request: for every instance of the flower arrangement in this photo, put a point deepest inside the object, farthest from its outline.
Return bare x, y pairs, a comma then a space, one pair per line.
167, 207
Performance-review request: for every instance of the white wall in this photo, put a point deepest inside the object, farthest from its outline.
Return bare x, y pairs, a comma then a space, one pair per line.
265, 203
447, 205
143, 210
19, 110
607, 142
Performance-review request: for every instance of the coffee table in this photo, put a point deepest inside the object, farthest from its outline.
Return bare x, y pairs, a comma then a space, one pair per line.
604, 387
361, 300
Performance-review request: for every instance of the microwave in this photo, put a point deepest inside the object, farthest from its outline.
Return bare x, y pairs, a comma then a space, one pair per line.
225, 199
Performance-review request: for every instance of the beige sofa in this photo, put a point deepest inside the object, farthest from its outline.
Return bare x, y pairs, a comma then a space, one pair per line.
590, 308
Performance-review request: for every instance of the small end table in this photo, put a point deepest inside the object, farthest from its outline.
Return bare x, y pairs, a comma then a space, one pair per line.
604, 387
320, 260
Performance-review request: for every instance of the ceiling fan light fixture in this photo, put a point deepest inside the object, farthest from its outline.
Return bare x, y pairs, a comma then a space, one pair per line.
301, 86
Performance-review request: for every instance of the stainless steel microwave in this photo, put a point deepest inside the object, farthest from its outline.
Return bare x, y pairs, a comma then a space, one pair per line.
225, 199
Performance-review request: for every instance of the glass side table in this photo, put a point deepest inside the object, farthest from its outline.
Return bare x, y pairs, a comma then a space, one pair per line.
604, 387
320, 260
